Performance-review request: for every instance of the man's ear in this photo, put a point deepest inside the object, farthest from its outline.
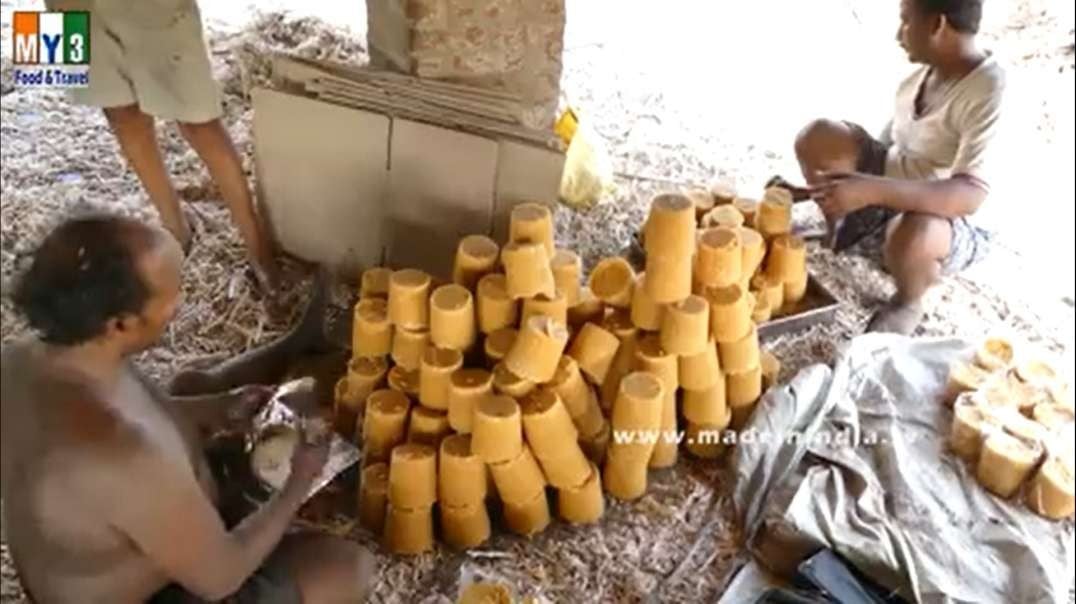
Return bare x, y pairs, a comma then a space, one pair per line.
941, 25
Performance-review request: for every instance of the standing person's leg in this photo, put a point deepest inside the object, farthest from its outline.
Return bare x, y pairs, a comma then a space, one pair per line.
111, 88
137, 137
173, 79
213, 144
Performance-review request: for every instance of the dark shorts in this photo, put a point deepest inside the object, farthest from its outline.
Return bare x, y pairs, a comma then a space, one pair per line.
968, 244
270, 584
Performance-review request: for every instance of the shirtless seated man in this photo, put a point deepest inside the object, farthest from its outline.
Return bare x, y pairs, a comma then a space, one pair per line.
108, 496
925, 177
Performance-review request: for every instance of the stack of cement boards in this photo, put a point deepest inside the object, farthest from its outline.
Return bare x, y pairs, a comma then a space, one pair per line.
361, 168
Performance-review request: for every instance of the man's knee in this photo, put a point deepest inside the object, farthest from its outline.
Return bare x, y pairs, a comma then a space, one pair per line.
125, 114
914, 238
329, 569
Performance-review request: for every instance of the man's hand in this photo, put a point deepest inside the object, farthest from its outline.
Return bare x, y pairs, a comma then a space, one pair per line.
841, 193
308, 460
245, 403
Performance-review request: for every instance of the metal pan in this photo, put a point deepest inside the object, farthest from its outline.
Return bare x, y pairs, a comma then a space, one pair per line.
818, 307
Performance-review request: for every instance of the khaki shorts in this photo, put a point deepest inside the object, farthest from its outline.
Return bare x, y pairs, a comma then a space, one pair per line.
150, 53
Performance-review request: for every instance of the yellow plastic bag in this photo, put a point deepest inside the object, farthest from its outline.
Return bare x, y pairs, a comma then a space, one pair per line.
588, 171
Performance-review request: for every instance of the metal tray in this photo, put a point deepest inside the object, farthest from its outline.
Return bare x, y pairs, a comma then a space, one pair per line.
817, 307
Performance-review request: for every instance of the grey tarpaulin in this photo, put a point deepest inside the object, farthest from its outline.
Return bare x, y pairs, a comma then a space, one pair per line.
867, 473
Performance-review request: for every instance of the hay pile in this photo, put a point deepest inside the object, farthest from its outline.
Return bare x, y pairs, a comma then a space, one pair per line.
678, 543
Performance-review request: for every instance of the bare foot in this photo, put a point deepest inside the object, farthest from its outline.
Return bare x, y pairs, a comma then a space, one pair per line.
896, 317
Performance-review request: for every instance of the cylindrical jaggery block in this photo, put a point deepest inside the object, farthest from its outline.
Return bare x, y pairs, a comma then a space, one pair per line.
409, 531
529, 518
476, 257
752, 249
569, 385
497, 432
533, 223
384, 423
555, 308
748, 207
685, 328
413, 476
639, 402
588, 309
569, 467
567, 275
582, 504
594, 447
537, 349
652, 358
624, 477
770, 289
466, 387
364, 375
371, 332
760, 308
723, 192
703, 201
546, 423
465, 527
612, 281
787, 261
509, 384
594, 349
723, 215
994, 354
1053, 416
428, 427
346, 411
743, 388
495, 308
707, 441
1037, 373
622, 364
452, 320
706, 406
730, 313
670, 227
771, 369
404, 380
518, 479
409, 346
740, 355
668, 278
409, 292
774, 217
527, 271
374, 497
969, 428
461, 473
497, 344
645, 312
700, 371
793, 292
963, 377
1052, 491
374, 283
435, 376
719, 260
1005, 462
665, 449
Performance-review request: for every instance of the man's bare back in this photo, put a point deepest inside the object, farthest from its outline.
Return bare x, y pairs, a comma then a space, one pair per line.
108, 496
58, 433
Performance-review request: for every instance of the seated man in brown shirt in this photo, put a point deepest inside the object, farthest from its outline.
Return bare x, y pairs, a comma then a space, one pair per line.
927, 174
108, 497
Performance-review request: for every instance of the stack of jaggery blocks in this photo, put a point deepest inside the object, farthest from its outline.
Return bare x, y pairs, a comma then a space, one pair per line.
1013, 423
510, 381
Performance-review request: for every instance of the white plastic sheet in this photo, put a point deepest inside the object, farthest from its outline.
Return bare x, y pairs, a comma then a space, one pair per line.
869, 475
